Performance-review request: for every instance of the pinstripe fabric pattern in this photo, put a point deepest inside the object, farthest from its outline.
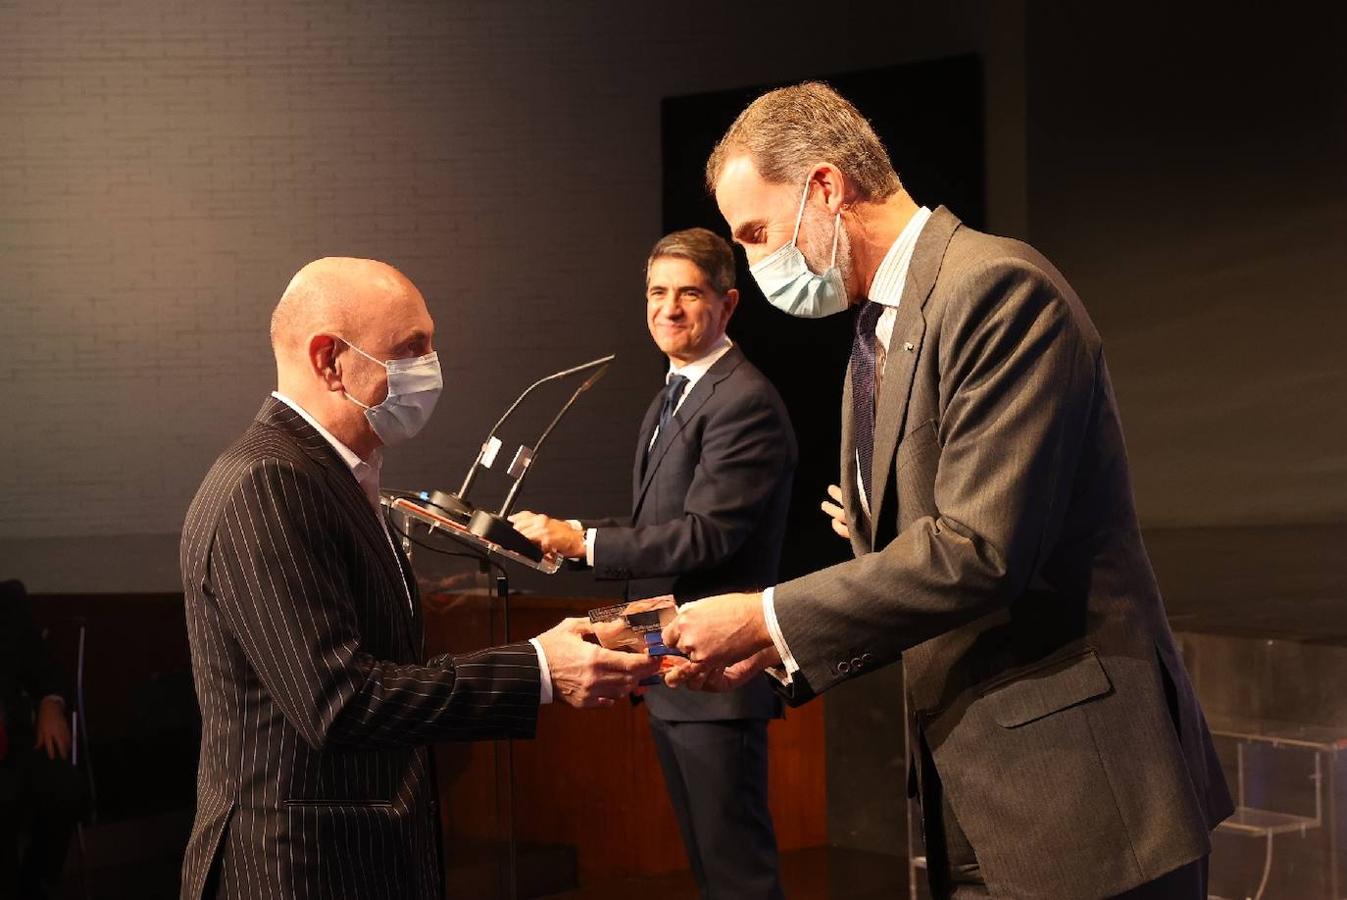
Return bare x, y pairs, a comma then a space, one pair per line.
315, 706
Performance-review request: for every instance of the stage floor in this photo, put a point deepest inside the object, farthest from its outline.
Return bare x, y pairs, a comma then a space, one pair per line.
817, 873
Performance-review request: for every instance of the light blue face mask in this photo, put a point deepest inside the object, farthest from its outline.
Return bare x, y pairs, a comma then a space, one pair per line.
790, 286
413, 387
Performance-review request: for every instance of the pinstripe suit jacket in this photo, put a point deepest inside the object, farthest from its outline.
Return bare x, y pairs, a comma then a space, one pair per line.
1004, 564
305, 629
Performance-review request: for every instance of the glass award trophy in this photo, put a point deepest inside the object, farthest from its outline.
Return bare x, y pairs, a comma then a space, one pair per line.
636, 627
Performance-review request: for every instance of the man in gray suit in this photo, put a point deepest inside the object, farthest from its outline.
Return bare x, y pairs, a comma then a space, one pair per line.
1058, 748
317, 702
710, 492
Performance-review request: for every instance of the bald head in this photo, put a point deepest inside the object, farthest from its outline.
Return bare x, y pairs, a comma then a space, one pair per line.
338, 295
330, 305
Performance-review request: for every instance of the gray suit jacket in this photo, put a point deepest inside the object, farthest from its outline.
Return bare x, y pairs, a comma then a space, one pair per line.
709, 508
1004, 564
316, 706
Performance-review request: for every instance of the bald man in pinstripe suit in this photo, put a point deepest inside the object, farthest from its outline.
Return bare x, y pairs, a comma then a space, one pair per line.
305, 622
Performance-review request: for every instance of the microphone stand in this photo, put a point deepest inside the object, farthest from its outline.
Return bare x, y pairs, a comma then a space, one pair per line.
496, 527
457, 504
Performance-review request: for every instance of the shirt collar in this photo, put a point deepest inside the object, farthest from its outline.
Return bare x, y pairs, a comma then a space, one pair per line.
359, 467
891, 276
694, 370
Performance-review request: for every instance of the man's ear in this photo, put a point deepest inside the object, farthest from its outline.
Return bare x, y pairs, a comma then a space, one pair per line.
323, 351
833, 185
731, 304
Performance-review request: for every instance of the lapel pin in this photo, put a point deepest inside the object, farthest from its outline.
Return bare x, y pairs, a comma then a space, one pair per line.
908, 346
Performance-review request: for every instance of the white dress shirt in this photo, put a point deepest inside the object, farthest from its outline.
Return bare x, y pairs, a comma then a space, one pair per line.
366, 474
885, 288
693, 372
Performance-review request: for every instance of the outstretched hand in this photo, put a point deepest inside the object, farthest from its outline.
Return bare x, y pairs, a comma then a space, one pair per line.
720, 631
585, 674
552, 535
717, 680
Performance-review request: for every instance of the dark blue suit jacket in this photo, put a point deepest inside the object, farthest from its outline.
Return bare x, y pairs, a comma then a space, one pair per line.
709, 507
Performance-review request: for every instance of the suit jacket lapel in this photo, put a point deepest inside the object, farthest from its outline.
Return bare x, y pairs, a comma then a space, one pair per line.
909, 329
696, 399
413, 593
278, 415
643, 441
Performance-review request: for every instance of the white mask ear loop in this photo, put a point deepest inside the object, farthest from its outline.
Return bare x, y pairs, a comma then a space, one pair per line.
364, 354
371, 359
799, 216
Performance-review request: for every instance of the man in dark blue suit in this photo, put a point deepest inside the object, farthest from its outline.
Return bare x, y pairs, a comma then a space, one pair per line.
710, 491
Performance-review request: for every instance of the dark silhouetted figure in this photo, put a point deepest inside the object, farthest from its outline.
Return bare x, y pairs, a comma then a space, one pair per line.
41, 793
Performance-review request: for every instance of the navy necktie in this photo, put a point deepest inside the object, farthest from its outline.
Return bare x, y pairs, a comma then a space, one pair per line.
863, 390
672, 391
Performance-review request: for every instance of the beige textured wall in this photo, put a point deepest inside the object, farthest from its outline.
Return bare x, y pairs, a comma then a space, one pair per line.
165, 167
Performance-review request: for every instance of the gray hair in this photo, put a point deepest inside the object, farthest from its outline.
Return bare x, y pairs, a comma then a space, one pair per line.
707, 250
789, 130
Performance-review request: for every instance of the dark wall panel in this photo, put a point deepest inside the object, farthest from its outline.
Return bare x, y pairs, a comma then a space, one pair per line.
930, 117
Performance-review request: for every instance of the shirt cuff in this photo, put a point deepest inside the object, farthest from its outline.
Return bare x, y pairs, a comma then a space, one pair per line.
774, 629
545, 688
589, 540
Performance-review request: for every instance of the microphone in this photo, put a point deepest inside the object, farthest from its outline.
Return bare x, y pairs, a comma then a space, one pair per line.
457, 504
496, 527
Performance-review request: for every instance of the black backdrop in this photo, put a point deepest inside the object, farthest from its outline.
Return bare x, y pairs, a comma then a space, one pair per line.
929, 116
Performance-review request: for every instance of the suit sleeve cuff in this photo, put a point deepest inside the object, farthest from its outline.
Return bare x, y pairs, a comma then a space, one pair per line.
544, 673
778, 639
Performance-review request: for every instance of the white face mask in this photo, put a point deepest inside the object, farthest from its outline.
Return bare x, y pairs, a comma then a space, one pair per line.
790, 286
413, 388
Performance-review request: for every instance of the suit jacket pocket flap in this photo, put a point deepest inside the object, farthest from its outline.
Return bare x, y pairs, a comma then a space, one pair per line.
1043, 691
